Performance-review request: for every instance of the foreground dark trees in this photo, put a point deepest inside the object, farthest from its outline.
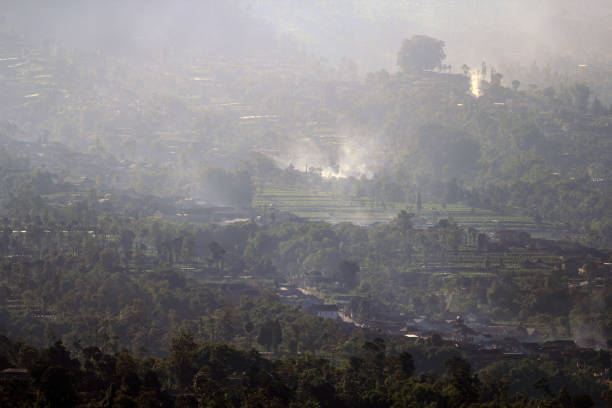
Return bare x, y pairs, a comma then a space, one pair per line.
214, 375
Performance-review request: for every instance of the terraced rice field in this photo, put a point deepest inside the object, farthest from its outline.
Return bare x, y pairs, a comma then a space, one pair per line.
335, 207
326, 206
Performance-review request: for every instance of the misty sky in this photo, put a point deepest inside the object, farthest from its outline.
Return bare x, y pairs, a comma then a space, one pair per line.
368, 32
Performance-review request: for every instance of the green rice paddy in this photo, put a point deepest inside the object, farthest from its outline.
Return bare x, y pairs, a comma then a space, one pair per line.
336, 207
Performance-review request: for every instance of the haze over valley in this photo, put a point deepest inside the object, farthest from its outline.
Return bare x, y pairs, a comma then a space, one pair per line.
329, 203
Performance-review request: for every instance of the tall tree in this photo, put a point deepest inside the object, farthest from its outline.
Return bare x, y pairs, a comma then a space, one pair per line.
270, 334
217, 254
348, 273
420, 53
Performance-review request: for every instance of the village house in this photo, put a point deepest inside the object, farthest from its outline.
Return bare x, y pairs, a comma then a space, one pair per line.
314, 279
324, 311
